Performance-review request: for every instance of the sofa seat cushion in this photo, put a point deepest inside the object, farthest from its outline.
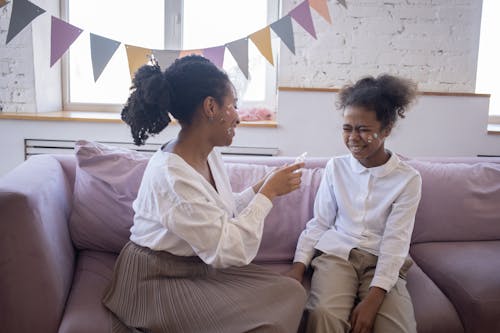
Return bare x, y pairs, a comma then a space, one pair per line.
84, 311
475, 296
433, 310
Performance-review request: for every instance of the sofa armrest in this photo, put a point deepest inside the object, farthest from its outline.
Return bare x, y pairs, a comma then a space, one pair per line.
36, 253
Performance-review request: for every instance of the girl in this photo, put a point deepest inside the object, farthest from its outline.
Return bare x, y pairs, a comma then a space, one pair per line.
187, 265
363, 219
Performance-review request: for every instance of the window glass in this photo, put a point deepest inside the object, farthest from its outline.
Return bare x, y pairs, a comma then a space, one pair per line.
203, 24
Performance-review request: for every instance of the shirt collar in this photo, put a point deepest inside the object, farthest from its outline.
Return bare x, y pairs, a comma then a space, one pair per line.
380, 171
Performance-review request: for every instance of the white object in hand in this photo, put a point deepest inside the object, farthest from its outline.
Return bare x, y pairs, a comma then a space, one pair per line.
301, 158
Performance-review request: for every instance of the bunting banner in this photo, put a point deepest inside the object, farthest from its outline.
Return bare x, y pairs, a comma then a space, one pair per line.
23, 12
137, 56
239, 50
322, 8
262, 39
62, 36
102, 49
284, 29
215, 55
302, 15
165, 57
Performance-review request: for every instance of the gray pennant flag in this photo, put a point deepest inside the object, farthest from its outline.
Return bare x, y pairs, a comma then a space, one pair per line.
283, 28
239, 50
101, 49
165, 57
23, 12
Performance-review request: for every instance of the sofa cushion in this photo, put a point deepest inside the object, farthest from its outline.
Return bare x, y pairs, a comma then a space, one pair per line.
459, 202
433, 310
106, 183
289, 214
475, 296
84, 309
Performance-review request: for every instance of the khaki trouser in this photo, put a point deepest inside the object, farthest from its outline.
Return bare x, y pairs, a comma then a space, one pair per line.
337, 285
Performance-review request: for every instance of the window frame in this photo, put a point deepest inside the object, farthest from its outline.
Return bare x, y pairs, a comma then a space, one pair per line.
173, 40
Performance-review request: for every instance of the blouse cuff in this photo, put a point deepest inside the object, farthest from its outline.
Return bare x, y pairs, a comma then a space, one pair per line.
263, 205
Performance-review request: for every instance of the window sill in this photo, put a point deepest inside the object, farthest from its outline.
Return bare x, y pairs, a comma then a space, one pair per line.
98, 117
494, 129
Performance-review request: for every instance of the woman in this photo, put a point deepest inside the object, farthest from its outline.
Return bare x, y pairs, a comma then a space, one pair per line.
187, 265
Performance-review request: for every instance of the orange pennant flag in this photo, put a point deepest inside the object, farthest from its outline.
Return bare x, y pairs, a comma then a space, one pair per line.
262, 39
184, 53
322, 8
137, 56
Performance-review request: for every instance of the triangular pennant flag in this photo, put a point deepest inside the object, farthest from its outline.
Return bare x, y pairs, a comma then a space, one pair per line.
137, 56
342, 2
283, 28
262, 39
62, 35
3, 3
23, 12
101, 49
239, 50
165, 58
322, 8
302, 14
184, 53
215, 55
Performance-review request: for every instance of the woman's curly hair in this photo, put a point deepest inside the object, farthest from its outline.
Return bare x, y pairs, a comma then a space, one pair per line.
178, 91
389, 96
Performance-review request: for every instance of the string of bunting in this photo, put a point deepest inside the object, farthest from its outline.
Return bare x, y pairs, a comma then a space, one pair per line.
102, 48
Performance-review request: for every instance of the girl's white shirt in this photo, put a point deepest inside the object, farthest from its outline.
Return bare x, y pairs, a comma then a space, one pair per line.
179, 211
372, 209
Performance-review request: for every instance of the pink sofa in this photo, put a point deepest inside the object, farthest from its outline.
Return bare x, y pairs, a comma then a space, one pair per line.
63, 220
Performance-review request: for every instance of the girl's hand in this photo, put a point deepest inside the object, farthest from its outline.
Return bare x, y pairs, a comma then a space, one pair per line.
364, 314
282, 181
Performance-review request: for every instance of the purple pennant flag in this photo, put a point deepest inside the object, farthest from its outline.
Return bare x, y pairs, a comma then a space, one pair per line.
23, 12
215, 55
62, 35
239, 50
302, 14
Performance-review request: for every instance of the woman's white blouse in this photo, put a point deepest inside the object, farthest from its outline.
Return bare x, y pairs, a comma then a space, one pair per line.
179, 211
367, 208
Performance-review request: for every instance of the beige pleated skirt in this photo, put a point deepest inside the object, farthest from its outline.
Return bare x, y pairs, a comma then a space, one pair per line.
154, 291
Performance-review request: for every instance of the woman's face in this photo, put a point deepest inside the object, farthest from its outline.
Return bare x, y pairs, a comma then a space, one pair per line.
227, 118
363, 136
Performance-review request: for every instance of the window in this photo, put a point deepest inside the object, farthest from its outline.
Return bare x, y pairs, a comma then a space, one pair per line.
489, 52
165, 24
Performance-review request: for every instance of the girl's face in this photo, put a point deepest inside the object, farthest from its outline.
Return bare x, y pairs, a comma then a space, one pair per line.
364, 137
227, 118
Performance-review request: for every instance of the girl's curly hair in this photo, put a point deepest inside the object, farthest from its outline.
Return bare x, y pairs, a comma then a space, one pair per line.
178, 91
389, 96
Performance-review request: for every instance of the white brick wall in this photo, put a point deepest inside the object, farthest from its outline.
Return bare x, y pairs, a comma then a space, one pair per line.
434, 42
17, 84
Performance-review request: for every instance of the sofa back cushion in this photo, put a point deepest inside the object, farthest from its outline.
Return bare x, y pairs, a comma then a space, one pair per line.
106, 183
289, 214
460, 202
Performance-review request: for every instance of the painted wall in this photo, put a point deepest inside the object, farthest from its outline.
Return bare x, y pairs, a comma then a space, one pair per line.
307, 121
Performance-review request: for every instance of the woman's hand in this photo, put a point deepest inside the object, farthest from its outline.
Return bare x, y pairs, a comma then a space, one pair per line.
363, 315
282, 181
297, 271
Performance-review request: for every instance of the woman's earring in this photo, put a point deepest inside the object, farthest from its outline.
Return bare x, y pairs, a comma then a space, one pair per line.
211, 118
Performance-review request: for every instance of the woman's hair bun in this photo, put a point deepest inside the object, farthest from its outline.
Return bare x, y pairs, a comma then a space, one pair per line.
146, 110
